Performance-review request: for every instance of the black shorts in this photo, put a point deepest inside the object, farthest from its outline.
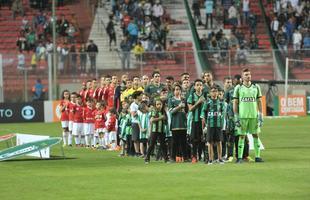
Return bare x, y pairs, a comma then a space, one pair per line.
135, 132
214, 135
196, 132
144, 140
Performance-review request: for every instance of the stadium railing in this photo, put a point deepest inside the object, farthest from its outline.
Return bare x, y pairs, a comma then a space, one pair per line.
16, 80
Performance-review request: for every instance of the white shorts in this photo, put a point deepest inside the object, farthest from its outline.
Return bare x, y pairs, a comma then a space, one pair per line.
89, 128
70, 125
99, 130
77, 129
64, 124
112, 136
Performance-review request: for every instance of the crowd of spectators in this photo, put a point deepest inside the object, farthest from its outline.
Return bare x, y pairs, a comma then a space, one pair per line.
242, 38
35, 37
144, 27
289, 23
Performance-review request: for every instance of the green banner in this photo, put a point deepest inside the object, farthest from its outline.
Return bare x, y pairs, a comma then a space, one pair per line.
27, 148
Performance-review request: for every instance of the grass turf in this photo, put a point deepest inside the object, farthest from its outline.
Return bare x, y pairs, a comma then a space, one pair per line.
101, 175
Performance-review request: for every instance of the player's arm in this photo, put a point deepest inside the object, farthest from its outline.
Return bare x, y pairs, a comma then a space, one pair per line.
192, 107
259, 107
202, 115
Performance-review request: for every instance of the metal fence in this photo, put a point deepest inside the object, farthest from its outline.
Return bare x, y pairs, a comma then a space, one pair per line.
19, 72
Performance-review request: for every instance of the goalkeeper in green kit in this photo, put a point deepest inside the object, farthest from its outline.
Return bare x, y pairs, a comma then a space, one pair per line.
248, 113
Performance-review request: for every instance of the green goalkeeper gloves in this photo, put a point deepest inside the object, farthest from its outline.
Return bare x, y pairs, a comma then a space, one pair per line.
237, 121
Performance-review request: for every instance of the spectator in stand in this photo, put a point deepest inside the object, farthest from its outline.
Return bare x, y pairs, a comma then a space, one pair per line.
41, 51
147, 8
253, 43
299, 13
38, 91
297, 40
83, 58
241, 55
33, 61
22, 42
170, 49
73, 60
148, 25
274, 26
92, 51
21, 61
133, 32
125, 21
17, 7
233, 41
158, 12
233, 15
125, 48
25, 25
71, 31
63, 58
289, 27
252, 21
226, 5
154, 36
196, 10
138, 50
204, 42
164, 30
224, 45
111, 32
241, 37
62, 25
246, 11
306, 44
209, 6
214, 49
282, 41
158, 48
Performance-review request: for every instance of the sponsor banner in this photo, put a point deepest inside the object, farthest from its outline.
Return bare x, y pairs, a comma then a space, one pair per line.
296, 105
6, 137
26, 138
21, 112
27, 148
264, 106
56, 111
52, 111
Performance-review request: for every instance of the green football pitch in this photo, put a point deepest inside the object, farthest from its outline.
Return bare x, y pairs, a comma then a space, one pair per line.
89, 174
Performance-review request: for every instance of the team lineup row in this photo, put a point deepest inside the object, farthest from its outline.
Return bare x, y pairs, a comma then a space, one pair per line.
185, 122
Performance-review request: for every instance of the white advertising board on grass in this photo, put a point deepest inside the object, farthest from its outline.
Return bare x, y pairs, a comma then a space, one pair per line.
26, 138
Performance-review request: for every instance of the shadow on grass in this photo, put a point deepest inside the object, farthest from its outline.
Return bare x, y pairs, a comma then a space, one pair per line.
39, 159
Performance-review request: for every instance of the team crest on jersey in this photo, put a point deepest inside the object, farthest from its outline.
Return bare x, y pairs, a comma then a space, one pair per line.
248, 99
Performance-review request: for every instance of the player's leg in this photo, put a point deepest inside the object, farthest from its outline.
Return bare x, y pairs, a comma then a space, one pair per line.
163, 145
153, 140
87, 134
218, 138
253, 129
65, 130
92, 132
76, 134
70, 133
242, 133
210, 152
81, 134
